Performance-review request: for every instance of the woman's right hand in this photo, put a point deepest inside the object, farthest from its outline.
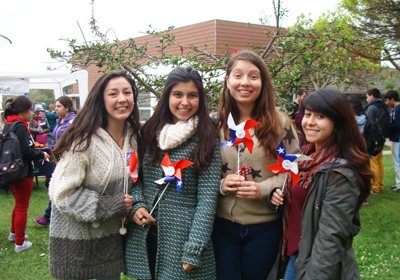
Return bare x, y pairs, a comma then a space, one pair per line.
231, 182
277, 197
142, 217
45, 156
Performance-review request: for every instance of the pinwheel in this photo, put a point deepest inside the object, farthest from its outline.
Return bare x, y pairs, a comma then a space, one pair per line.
240, 133
287, 163
173, 172
132, 165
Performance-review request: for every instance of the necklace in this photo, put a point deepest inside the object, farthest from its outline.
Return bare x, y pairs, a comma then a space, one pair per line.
119, 139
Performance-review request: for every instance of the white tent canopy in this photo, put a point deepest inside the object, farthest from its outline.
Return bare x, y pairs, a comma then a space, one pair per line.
54, 80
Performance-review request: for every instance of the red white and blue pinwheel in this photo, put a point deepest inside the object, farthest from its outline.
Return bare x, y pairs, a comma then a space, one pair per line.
287, 163
173, 171
132, 165
240, 133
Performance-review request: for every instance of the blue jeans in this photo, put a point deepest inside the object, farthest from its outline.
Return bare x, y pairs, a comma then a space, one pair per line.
290, 273
49, 138
245, 252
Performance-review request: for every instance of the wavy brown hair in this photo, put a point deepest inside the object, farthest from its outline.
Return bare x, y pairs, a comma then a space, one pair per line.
269, 131
351, 144
93, 115
205, 131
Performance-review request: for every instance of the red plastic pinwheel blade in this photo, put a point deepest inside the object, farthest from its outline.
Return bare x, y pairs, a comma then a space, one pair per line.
133, 161
166, 161
181, 164
249, 142
249, 124
277, 168
178, 173
295, 178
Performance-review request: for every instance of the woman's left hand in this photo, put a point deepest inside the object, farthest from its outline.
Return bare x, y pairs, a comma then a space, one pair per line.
128, 202
188, 266
249, 190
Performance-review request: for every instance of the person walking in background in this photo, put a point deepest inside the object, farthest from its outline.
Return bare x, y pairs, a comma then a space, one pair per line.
52, 119
66, 112
20, 110
246, 231
174, 242
90, 183
3, 118
373, 111
392, 100
321, 212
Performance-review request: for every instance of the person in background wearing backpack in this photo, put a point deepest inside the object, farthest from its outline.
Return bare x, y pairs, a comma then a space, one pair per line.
392, 100
321, 212
376, 111
21, 110
52, 119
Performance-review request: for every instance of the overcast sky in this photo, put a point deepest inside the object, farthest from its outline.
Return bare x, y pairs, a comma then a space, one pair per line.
34, 26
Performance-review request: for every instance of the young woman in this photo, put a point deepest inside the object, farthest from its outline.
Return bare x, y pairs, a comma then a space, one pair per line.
66, 112
89, 185
20, 110
322, 209
174, 242
246, 232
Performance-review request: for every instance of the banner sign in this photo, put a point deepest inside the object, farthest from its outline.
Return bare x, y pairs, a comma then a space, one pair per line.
14, 86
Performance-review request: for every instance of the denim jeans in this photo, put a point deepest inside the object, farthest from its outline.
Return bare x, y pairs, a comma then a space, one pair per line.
290, 273
245, 252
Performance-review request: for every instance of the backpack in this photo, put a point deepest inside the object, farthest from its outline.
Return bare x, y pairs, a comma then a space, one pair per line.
12, 167
374, 137
384, 120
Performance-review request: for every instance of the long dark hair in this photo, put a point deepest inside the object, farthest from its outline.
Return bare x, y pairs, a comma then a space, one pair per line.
67, 103
351, 144
356, 104
20, 104
269, 131
205, 131
93, 115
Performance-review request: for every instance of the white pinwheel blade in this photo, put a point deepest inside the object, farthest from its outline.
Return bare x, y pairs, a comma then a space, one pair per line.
231, 122
294, 168
301, 157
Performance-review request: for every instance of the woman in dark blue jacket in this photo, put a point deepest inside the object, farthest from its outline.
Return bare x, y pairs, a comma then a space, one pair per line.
21, 111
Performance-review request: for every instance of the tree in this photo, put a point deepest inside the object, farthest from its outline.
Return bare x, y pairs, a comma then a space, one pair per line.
303, 56
379, 21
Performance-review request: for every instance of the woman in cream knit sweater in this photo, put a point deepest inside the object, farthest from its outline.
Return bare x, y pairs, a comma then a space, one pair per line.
90, 184
247, 232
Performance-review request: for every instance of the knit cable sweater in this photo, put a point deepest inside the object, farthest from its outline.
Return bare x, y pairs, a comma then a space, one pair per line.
87, 195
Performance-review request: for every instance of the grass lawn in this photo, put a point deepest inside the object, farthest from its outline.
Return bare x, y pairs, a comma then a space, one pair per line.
376, 246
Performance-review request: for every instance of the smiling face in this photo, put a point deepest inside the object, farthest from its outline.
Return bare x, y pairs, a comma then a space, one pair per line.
183, 101
118, 100
318, 128
61, 111
244, 82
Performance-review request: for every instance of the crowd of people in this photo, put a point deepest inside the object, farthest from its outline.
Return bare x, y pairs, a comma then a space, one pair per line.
190, 212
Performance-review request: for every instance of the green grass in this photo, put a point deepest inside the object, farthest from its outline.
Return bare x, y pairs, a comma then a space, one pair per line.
376, 246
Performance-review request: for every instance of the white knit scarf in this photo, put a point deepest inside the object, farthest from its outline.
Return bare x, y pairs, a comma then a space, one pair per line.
172, 135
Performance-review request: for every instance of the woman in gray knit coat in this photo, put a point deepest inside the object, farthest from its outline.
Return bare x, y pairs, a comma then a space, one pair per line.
91, 181
174, 242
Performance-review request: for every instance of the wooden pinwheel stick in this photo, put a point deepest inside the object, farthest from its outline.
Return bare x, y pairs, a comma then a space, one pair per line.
158, 200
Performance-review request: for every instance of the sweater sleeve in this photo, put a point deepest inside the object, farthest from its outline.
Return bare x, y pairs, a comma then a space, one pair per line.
72, 198
138, 200
335, 228
207, 197
291, 142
